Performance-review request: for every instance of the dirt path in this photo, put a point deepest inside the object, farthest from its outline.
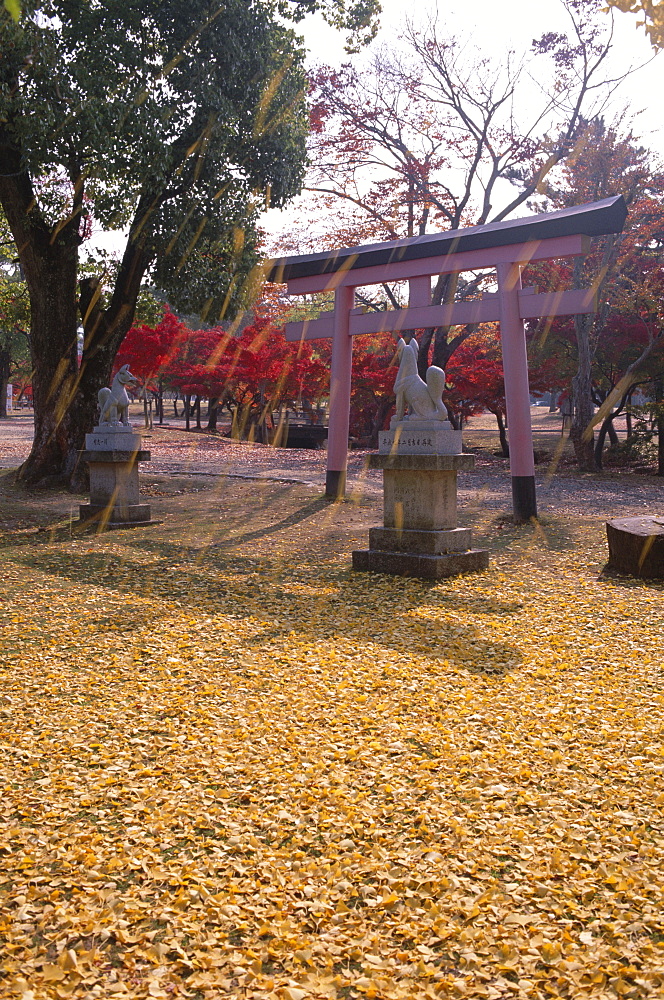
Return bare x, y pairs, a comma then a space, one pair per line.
560, 489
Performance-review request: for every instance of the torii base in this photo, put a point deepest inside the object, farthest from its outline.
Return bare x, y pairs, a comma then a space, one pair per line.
420, 536
335, 485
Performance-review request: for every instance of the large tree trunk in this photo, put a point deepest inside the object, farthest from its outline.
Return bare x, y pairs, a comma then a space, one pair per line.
444, 291
583, 407
51, 278
103, 332
64, 394
383, 408
659, 422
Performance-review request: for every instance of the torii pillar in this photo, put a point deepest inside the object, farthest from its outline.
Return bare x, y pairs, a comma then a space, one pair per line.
505, 247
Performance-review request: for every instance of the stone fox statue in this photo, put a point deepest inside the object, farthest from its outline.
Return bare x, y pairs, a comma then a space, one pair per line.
114, 402
423, 399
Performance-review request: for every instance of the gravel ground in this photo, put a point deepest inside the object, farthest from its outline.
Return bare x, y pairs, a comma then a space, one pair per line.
564, 491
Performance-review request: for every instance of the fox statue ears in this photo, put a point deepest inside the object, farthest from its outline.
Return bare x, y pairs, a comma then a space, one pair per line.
413, 345
125, 368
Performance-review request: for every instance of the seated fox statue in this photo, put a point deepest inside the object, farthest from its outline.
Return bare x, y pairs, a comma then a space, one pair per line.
114, 402
423, 400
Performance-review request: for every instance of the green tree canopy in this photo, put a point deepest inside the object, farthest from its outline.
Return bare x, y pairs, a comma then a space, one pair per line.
178, 124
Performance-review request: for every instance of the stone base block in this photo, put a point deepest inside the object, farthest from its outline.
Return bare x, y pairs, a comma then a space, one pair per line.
422, 463
114, 483
113, 439
423, 501
124, 516
112, 457
420, 438
426, 567
431, 543
636, 546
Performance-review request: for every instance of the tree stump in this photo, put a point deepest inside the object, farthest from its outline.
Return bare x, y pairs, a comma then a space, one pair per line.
636, 546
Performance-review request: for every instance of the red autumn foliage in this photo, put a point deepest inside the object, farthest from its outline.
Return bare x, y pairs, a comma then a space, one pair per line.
252, 374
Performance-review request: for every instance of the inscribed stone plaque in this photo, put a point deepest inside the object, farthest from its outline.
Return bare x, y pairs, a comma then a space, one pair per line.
421, 437
102, 439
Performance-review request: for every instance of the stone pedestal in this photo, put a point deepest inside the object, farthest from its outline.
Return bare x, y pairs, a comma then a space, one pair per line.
417, 436
420, 536
636, 546
113, 453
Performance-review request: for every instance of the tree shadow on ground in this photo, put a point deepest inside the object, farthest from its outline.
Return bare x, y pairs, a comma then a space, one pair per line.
330, 605
502, 532
279, 554
613, 578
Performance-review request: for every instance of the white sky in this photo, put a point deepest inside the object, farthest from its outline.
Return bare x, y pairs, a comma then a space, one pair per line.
496, 27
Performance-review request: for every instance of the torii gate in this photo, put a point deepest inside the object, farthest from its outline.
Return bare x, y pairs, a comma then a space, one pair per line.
505, 246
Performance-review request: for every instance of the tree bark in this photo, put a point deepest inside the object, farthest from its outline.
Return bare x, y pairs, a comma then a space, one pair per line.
160, 403
502, 431
659, 423
5, 362
56, 379
611, 430
147, 410
606, 427
64, 392
213, 413
583, 407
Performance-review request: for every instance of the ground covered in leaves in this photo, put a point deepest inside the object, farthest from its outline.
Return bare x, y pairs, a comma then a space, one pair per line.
233, 768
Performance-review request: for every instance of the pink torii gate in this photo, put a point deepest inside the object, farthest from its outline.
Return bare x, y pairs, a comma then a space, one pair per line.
503, 246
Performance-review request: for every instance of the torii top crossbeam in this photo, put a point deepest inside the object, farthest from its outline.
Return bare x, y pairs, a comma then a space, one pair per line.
503, 246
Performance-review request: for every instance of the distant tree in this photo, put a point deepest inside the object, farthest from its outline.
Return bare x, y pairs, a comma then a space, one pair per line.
625, 269
274, 374
435, 137
253, 371
477, 383
14, 321
630, 355
149, 349
15, 365
372, 397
